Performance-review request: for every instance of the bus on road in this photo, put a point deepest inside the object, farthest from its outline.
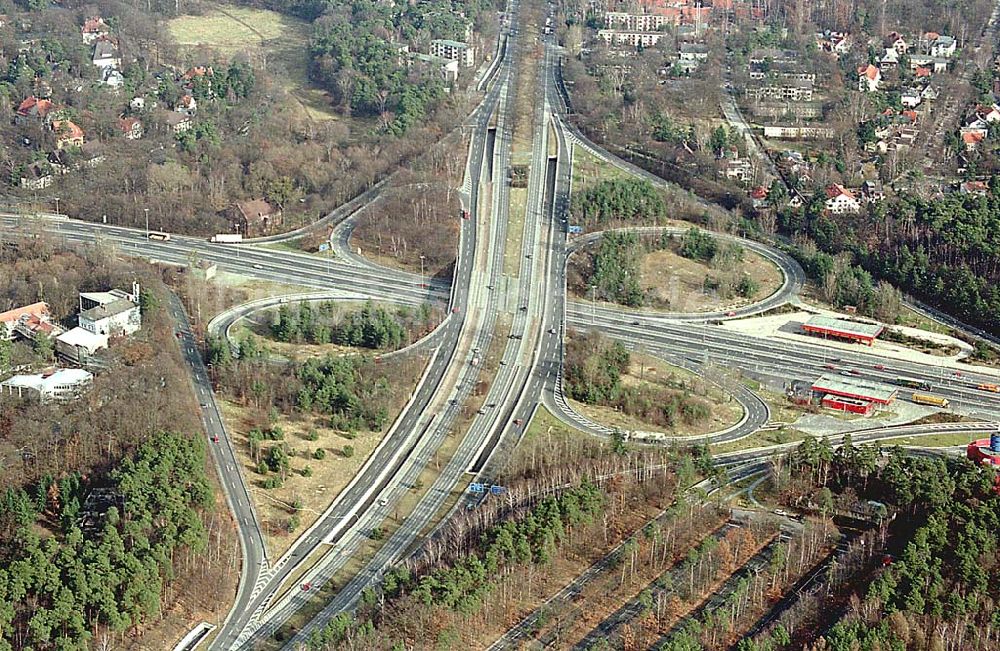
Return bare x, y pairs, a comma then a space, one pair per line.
934, 401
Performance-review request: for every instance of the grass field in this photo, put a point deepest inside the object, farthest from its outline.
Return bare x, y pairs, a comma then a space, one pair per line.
271, 40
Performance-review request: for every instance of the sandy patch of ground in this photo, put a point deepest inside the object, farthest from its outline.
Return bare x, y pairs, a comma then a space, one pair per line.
677, 282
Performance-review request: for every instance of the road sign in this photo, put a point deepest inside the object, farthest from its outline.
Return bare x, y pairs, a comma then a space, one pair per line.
575, 230
477, 488
497, 490
325, 246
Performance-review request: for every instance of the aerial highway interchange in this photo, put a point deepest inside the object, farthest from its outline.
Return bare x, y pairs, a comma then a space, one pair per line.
529, 318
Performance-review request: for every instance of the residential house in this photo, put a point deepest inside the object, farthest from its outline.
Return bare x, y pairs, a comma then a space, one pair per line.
33, 327
177, 122
943, 46
840, 200
78, 345
873, 191
910, 98
50, 386
112, 77
979, 188
67, 134
889, 60
895, 41
836, 43
34, 109
693, 52
254, 218
9, 319
935, 64
869, 78
36, 176
197, 71
138, 104
972, 139
921, 72
988, 114
94, 29
131, 128
187, 105
734, 168
106, 54
758, 196
113, 314
930, 92
464, 53
631, 39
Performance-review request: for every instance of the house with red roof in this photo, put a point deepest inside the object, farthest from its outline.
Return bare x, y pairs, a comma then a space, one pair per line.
34, 109
93, 29
869, 78
67, 134
9, 319
840, 200
972, 139
131, 128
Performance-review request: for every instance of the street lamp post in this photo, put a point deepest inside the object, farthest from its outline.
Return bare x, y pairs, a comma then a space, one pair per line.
146, 210
423, 281
593, 304
57, 205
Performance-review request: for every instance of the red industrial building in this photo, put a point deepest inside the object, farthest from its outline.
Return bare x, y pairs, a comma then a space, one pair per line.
854, 331
987, 452
855, 388
849, 405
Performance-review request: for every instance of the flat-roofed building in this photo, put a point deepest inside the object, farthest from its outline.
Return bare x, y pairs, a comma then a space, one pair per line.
856, 389
826, 326
61, 384
464, 53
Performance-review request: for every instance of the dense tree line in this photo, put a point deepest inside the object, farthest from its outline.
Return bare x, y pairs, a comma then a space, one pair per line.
354, 391
592, 374
445, 597
942, 250
369, 327
940, 591
616, 272
628, 201
61, 584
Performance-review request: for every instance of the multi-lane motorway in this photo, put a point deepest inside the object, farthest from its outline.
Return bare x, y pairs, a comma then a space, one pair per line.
527, 313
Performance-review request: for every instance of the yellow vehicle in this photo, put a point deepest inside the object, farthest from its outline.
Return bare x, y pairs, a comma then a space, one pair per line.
989, 387
924, 399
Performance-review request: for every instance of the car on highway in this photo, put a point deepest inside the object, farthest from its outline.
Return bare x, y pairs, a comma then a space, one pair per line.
215, 438
518, 422
879, 367
854, 371
552, 331
731, 313
830, 366
383, 501
257, 266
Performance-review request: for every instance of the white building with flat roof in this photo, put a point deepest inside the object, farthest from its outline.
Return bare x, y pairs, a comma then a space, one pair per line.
62, 384
113, 314
78, 345
464, 53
